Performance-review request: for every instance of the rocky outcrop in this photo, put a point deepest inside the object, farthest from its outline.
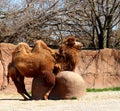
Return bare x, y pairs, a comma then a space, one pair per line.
69, 85
6, 50
100, 68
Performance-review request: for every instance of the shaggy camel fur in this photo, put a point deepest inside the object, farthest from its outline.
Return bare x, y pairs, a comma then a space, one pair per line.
27, 62
68, 55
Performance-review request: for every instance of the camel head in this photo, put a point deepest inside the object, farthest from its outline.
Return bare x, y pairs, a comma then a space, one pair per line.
71, 41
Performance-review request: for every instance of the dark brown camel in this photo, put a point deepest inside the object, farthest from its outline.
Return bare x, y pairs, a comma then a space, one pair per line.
68, 54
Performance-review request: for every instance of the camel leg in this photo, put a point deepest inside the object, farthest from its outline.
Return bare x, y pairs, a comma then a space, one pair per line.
47, 94
18, 80
26, 93
49, 82
20, 85
23, 95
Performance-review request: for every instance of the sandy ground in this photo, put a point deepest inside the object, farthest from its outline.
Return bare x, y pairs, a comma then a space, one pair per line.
100, 101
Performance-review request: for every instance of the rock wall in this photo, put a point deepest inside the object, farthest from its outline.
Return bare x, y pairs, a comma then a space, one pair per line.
1, 73
6, 50
100, 68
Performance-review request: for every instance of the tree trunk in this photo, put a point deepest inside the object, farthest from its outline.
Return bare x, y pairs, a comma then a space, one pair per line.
105, 40
100, 39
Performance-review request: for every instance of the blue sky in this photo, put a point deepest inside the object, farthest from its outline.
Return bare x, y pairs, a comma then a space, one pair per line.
16, 1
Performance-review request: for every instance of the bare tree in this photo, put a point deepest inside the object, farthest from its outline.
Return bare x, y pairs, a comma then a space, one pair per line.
92, 21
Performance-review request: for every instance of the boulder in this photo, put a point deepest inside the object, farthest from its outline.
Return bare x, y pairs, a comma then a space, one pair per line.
68, 85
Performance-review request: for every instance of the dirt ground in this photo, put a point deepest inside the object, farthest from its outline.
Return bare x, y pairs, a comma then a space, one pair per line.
100, 101
10, 100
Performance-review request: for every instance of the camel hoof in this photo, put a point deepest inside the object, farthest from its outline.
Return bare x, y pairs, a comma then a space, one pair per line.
45, 97
26, 99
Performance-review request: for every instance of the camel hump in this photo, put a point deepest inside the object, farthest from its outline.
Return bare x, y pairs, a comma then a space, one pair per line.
22, 47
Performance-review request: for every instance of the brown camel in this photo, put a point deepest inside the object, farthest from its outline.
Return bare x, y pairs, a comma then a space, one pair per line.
68, 54
27, 62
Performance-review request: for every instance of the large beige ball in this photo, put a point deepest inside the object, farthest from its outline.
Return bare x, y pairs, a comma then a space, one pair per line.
68, 85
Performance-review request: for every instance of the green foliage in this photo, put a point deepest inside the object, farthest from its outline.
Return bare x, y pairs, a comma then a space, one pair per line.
73, 98
30, 93
104, 89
